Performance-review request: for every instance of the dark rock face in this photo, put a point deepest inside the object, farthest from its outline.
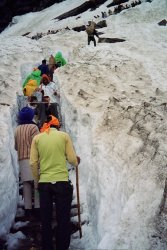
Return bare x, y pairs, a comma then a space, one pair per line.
91, 4
116, 2
10, 8
110, 40
79, 28
99, 25
162, 23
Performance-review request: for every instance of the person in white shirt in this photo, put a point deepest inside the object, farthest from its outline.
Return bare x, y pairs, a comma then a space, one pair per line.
50, 101
50, 89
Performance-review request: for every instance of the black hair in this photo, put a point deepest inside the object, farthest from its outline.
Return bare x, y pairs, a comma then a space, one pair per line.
54, 126
48, 118
44, 61
33, 98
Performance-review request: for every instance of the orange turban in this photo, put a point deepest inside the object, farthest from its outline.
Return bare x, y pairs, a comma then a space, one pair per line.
44, 76
46, 126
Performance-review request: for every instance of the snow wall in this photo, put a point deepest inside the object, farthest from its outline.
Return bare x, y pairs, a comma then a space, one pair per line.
9, 169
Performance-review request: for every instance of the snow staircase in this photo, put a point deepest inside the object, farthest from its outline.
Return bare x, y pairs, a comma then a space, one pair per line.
29, 225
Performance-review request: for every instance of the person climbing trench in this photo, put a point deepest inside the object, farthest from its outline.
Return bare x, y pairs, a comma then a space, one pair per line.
44, 68
51, 148
24, 134
50, 104
46, 160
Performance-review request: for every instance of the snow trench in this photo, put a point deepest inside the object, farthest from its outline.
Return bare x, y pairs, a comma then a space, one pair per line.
9, 169
122, 147
120, 192
120, 184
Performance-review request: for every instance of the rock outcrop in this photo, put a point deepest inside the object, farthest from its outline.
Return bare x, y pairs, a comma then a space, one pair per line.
82, 8
10, 8
163, 23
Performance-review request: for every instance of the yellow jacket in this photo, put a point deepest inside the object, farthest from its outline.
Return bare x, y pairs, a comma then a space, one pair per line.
51, 151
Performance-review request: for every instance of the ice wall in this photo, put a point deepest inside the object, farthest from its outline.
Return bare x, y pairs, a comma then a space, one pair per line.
9, 169
12, 62
118, 123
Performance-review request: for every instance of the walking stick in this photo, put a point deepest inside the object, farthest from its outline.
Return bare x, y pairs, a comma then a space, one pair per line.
78, 203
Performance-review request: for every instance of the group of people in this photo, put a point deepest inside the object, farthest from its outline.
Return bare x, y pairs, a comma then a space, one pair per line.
43, 151
42, 91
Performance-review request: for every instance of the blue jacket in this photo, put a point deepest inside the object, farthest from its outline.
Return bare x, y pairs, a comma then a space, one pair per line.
44, 69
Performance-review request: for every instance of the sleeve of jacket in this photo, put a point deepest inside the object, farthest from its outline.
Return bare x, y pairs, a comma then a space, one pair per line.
70, 152
34, 131
34, 159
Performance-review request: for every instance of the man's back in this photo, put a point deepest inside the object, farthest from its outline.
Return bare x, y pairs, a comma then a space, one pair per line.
49, 151
90, 28
23, 138
44, 69
53, 148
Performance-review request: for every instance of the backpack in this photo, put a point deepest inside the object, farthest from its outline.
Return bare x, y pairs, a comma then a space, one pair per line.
30, 87
90, 28
51, 62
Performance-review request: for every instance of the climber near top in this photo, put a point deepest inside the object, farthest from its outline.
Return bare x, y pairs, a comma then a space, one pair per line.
91, 32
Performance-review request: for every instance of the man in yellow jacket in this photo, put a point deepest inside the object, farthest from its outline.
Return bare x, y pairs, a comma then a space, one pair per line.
51, 149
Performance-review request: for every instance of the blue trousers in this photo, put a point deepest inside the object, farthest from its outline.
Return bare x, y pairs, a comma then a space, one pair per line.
61, 192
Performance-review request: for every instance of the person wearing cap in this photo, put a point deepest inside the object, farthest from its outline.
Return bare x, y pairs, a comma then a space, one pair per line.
24, 134
52, 105
49, 88
52, 148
